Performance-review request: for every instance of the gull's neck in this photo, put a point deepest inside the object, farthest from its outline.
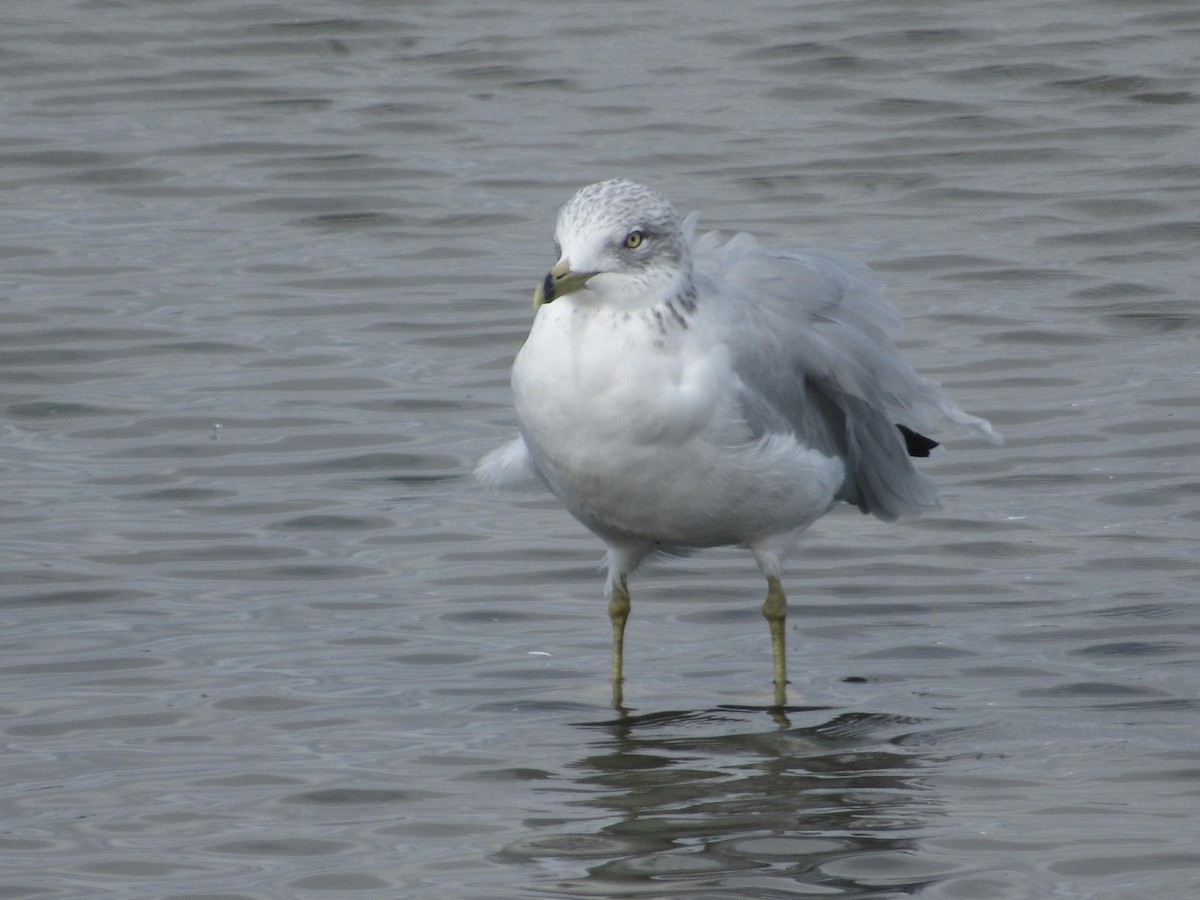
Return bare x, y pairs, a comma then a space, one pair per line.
670, 291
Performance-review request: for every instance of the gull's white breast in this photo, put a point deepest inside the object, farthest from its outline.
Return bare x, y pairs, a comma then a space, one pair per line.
636, 425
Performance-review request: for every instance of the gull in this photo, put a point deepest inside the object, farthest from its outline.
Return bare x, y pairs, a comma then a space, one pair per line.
680, 392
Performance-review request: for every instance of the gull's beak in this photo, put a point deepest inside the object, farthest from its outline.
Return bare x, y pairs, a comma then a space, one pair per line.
559, 282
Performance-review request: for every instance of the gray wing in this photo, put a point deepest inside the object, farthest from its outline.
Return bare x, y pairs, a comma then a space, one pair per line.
812, 341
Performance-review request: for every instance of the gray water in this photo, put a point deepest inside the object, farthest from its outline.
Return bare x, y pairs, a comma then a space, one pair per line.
264, 269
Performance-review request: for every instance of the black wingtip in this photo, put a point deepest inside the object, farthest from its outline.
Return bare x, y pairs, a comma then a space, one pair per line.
916, 444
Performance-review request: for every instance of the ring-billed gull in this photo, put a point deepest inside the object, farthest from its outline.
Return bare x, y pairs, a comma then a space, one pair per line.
678, 393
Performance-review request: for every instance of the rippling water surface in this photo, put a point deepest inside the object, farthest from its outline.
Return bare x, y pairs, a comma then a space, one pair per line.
264, 269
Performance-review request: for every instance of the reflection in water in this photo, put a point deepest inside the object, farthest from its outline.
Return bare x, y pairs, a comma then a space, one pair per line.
710, 800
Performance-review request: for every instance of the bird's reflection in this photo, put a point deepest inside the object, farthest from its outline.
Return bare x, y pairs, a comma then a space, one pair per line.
727, 800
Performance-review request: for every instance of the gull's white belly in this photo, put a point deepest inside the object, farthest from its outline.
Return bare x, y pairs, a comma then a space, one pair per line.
639, 433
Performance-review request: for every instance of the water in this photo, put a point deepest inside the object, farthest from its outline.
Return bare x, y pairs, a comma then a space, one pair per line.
264, 269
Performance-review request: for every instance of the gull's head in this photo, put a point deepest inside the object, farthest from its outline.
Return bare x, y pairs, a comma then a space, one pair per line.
622, 244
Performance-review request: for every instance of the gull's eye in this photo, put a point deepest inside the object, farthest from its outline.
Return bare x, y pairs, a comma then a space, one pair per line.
634, 239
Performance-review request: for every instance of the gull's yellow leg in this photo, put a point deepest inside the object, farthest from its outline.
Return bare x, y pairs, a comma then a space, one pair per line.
775, 612
618, 611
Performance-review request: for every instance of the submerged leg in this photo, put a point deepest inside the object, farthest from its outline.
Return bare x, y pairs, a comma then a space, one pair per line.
618, 611
775, 612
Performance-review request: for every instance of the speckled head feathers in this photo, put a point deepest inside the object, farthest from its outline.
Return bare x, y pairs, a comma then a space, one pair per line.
622, 205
